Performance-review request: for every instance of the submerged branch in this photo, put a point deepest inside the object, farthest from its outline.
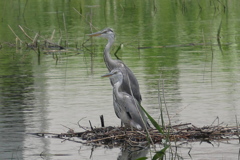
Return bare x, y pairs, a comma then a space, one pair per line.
182, 45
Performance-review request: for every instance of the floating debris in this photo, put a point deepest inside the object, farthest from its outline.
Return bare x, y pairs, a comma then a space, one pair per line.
40, 43
118, 136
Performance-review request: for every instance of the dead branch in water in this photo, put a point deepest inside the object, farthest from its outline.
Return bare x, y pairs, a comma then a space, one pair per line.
119, 135
182, 45
38, 42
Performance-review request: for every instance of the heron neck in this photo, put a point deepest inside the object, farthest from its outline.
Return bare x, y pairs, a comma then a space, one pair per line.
107, 57
116, 88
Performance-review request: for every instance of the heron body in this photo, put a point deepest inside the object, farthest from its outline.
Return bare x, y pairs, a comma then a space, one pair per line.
129, 83
126, 106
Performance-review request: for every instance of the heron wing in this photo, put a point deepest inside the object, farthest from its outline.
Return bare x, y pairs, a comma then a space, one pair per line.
132, 108
130, 79
117, 107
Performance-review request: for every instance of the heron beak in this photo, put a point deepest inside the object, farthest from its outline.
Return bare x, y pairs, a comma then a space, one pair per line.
107, 75
95, 34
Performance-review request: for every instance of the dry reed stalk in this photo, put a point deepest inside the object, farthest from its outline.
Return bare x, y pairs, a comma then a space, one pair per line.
14, 33
25, 33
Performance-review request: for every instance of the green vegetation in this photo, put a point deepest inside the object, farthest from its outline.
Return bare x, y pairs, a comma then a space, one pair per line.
160, 33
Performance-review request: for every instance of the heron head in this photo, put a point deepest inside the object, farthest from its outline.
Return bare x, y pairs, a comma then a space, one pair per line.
106, 33
112, 73
115, 74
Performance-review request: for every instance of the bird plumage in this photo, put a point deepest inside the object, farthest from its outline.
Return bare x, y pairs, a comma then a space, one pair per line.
126, 93
126, 106
130, 84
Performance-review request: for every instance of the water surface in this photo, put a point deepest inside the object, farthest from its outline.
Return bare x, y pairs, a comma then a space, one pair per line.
195, 72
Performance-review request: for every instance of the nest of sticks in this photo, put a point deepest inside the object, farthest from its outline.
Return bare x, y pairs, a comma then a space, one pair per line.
117, 136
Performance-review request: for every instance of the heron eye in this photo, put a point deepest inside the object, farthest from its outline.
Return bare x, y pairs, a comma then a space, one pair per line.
109, 30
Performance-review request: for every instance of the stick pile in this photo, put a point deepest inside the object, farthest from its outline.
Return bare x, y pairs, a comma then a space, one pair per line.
119, 135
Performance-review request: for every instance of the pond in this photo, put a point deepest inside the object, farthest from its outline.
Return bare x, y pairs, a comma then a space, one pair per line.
185, 55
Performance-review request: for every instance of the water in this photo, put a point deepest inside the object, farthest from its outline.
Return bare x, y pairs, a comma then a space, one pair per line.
198, 82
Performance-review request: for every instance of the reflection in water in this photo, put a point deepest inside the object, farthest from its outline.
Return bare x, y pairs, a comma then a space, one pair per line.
200, 82
16, 99
132, 153
38, 119
23, 107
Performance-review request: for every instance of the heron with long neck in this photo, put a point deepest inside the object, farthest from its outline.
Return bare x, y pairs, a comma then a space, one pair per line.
129, 84
126, 106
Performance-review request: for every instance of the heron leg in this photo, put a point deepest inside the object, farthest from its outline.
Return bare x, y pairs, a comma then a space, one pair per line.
121, 124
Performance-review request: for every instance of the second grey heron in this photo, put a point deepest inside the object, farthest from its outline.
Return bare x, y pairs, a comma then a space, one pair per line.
126, 106
130, 83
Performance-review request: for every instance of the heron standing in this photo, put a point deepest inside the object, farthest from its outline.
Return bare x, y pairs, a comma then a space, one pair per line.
126, 106
129, 83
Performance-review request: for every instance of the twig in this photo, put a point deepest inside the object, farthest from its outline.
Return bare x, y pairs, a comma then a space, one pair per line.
80, 125
91, 125
92, 149
72, 140
15, 34
189, 152
52, 35
139, 144
115, 53
35, 38
102, 120
110, 137
217, 118
70, 129
25, 33
180, 125
118, 136
45, 39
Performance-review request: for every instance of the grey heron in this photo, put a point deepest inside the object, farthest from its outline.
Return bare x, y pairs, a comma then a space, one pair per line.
126, 106
130, 83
